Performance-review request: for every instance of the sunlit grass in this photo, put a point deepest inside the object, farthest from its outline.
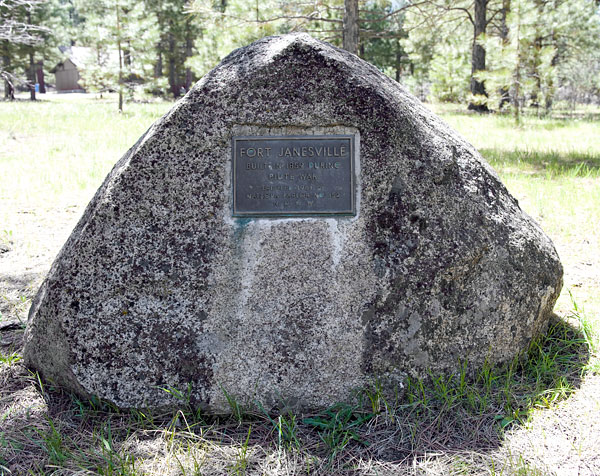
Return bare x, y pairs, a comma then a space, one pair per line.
567, 137
54, 149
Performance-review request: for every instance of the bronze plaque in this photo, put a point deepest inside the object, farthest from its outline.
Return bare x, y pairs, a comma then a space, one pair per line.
288, 176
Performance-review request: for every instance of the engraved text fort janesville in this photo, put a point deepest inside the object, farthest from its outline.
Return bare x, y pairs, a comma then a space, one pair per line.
293, 176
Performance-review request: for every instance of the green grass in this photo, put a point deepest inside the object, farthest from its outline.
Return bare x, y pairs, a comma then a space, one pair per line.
10, 358
58, 149
61, 150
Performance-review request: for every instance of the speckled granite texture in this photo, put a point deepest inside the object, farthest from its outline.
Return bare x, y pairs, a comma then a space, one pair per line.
158, 286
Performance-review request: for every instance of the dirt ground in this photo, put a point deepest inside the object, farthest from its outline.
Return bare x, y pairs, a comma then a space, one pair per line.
30, 239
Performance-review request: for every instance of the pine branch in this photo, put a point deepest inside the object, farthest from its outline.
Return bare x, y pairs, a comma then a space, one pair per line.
391, 14
22, 33
449, 9
312, 17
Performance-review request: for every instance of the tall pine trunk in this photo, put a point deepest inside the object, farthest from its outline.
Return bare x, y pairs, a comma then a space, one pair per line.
504, 92
158, 67
398, 60
478, 55
517, 72
9, 90
40, 77
31, 70
189, 43
536, 57
31, 74
551, 86
172, 65
118, 8
350, 32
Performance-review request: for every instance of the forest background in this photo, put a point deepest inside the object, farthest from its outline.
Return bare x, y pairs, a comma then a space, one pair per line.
490, 55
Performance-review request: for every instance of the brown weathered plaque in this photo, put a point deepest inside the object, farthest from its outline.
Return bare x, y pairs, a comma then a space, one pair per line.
293, 176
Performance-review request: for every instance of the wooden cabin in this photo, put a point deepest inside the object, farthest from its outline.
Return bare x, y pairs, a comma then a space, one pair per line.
67, 71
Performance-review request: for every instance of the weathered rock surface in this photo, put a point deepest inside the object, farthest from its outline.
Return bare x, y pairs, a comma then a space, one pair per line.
159, 286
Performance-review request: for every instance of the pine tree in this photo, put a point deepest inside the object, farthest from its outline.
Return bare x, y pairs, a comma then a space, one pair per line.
22, 34
121, 34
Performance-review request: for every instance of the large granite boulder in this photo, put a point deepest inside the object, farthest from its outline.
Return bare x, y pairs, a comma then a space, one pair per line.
161, 285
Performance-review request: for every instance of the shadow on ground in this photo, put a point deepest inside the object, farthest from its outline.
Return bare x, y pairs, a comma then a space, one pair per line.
573, 164
555, 119
439, 423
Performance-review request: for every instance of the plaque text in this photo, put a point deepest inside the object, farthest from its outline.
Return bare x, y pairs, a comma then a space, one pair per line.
293, 176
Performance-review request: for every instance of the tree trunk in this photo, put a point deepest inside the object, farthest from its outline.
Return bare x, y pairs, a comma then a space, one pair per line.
31, 74
31, 70
350, 32
478, 55
189, 43
551, 86
127, 55
517, 74
9, 89
40, 77
536, 62
504, 92
120, 58
398, 61
158, 67
172, 66
536, 57
258, 22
